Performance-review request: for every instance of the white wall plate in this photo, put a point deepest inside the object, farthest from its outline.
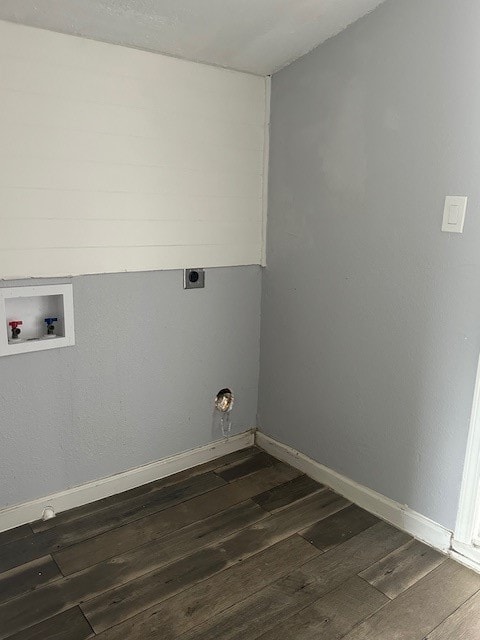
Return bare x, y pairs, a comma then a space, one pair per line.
454, 214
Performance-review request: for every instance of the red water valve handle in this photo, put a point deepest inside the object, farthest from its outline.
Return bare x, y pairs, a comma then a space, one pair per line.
15, 323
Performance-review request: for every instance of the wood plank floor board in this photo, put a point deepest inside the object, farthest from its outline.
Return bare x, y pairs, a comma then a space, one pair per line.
304, 586
31, 608
331, 616
463, 624
339, 528
193, 606
331, 569
241, 548
402, 568
282, 495
28, 577
265, 478
137, 507
46, 542
17, 533
127, 600
415, 612
266, 616
70, 625
257, 614
242, 468
99, 505
124, 538
19, 552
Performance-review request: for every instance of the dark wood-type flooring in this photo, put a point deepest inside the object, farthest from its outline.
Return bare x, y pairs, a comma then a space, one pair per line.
242, 548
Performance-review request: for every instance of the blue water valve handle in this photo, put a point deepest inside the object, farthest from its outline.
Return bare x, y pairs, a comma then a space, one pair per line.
50, 326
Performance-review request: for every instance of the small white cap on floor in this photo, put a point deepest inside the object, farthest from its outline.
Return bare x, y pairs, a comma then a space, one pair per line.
48, 513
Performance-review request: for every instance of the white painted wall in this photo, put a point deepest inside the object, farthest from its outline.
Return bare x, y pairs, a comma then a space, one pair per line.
113, 159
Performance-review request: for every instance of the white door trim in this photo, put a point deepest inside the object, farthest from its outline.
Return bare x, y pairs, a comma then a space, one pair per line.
468, 524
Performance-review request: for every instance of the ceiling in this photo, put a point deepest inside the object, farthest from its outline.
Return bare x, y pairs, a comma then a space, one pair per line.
258, 36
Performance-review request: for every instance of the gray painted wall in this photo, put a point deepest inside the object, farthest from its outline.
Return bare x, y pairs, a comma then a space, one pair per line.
139, 384
371, 315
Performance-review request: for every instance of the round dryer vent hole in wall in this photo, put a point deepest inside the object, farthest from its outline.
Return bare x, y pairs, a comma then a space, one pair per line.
223, 405
224, 400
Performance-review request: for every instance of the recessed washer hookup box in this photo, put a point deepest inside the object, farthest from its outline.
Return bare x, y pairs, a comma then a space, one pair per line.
36, 318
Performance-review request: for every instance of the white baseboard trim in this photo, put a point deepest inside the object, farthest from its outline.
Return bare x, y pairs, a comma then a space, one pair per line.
400, 516
77, 496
